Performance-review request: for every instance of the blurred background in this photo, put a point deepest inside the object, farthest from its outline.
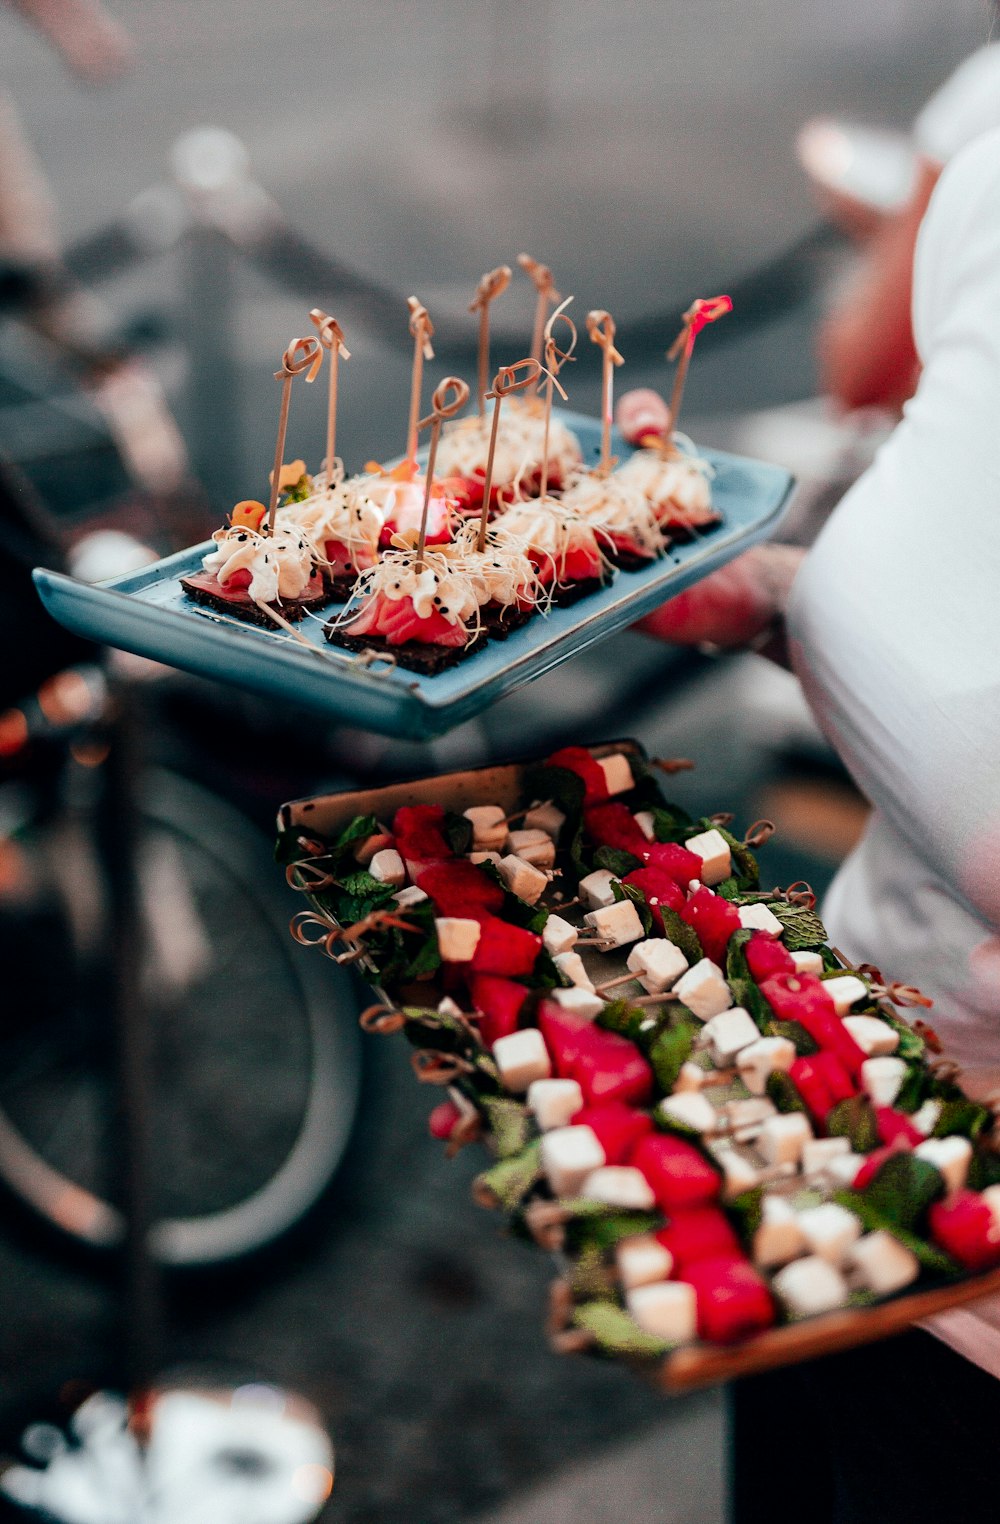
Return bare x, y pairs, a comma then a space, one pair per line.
171, 205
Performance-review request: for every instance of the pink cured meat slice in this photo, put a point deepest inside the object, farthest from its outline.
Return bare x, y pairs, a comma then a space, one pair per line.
397, 622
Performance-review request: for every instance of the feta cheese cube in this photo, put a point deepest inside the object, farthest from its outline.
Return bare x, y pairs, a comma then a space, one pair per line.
818, 1152
617, 772
617, 924
716, 858
596, 890
569, 1155
952, 1156
691, 1109
523, 879
739, 1173
842, 1169
743, 1115
457, 938
642, 1260
926, 1118
581, 1002
408, 897
808, 962
691, 1078
489, 826
570, 965
779, 1237
881, 1078
667, 1311
558, 935
830, 1230
810, 1286
552, 1102
484, 857
872, 1035
882, 1263
522, 1058
644, 820
620, 1185
845, 990
388, 867
703, 990
760, 1058
782, 1138
533, 847
659, 962
729, 1033
545, 817
759, 918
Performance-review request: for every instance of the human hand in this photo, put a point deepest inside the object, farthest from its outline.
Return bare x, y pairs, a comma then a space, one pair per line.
734, 605
92, 42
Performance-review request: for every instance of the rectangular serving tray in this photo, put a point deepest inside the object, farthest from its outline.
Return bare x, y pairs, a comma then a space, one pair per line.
148, 613
694, 1365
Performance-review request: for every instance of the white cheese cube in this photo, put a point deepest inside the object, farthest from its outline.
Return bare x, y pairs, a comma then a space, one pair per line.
692, 1077
842, 1169
753, 1113
926, 1118
779, 1237
484, 857
818, 1152
667, 1311
691, 1109
830, 1230
553, 1102
408, 897
616, 925
659, 963
449, 1007
533, 847
703, 990
729, 1033
523, 879
952, 1156
522, 1058
810, 1286
782, 1138
620, 1185
489, 826
759, 918
457, 938
581, 1002
882, 1264
569, 1155
642, 1260
617, 772
644, 820
388, 867
808, 962
596, 890
716, 858
872, 1035
760, 1058
545, 817
845, 990
558, 935
739, 1173
881, 1078
570, 965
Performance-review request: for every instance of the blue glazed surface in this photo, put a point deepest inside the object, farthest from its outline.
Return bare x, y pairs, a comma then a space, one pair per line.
148, 613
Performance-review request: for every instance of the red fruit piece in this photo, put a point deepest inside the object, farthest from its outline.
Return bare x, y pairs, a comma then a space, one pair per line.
656, 889
564, 1033
836, 1077
443, 1120
619, 1128
766, 956
802, 998
460, 888
965, 1227
577, 759
701, 1233
505, 949
679, 1175
500, 1002
613, 825
419, 832
812, 1087
714, 920
733, 1301
675, 861
895, 1127
610, 1068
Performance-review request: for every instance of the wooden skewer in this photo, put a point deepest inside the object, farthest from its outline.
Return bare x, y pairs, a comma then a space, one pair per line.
301, 355
422, 330
601, 328
493, 284
701, 312
555, 359
612, 984
449, 398
332, 338
541, 278
504, 383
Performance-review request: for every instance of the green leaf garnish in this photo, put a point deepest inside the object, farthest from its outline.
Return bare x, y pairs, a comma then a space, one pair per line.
670, 1052
855, 1120
803, 929
615, 1333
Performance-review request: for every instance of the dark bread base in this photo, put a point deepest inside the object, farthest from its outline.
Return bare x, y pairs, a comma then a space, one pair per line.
249, 612
426, 659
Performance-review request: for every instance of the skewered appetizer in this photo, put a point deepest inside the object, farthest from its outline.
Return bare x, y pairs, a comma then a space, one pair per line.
343, 527
254, 575
562, 545
505, 581
426, 616
621, 514
517, 461
676, 485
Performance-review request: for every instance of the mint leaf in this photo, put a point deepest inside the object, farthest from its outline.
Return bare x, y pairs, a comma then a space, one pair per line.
803, 929
928, 1255
746, 871
796, 1033
458, 832
914, 1090
682, 935
603, 1228
588, 1277
670, 1052
616, 860
630, 892
854, 1119
903, 1189
741, 981
964, 1117
782, 1092
615, 1333
670, 823
510, 1181
618, 1016
748, 1209
509, 1123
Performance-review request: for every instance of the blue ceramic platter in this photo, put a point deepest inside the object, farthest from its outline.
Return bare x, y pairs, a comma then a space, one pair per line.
148, 613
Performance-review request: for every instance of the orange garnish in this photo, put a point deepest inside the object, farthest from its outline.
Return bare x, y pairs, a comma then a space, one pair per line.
291, 475
405, 471
248, 515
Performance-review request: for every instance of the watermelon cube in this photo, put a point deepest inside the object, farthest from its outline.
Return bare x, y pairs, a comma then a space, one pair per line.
965, 1227
673, 861
680, 1176
702, 1232
505, 949
500, 1003
766, 957
577, 759
460, 888
895, 1128
610, 1068
564, 1032
714, 920
812, 1086
614, 825
733, 1300
619, 1127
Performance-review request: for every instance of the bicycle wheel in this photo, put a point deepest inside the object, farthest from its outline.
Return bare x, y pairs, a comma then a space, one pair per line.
255, 1055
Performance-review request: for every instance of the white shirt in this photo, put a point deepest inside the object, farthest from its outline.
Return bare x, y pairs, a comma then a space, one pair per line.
895, 627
